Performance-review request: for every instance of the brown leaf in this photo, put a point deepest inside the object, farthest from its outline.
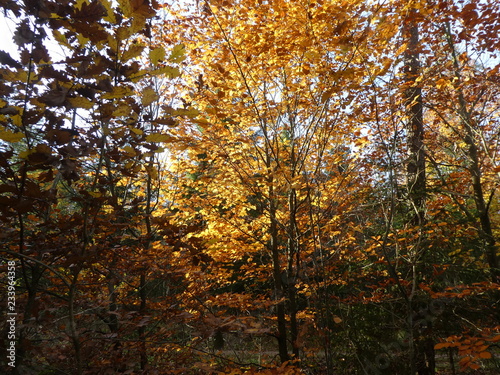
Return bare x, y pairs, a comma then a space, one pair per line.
55, 97
60, 136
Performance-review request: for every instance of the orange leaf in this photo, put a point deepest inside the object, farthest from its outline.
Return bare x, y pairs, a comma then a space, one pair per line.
485, 355
441, 345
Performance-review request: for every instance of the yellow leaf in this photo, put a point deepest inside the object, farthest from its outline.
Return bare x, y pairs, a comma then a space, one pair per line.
79, 3
61, 38
110, 17
118, 92
178, 54
401, 49
17, 120
136, 131
156, 55
26, 153
125, 7
312, 55
337, 320
138, 23
82, 40
19, 75
137, 76
123, 33
326, 95
81, 102
149, 96
133, 51
130, 150
158, 137
191, 112
11, 137
168, 71
442, 83
122, 110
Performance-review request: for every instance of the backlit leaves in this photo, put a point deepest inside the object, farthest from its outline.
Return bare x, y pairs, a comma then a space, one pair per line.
81, 102
118, 92
148, 96
178, 54
156, 55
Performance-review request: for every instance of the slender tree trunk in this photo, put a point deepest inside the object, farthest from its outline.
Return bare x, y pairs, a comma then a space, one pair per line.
143, 281
277, 276
415, 170
452, 362
31, 287
293, 255
75, 338
422, 359
293, 245
142, 329
486, 234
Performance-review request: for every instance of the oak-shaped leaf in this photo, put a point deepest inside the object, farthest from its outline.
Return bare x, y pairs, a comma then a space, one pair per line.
178, 54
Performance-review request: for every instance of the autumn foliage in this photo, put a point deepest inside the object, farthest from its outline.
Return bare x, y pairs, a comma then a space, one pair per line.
250, 187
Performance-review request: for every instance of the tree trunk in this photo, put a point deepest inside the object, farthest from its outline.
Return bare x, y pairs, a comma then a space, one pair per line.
486, 234
277, 276
422, 359
293, 257
415, 170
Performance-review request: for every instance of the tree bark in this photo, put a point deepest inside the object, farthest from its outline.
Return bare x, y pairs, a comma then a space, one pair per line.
422, 358
278, 286
415, 169
277, 276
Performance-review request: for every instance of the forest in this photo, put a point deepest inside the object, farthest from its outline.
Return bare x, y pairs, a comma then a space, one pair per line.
250, 187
